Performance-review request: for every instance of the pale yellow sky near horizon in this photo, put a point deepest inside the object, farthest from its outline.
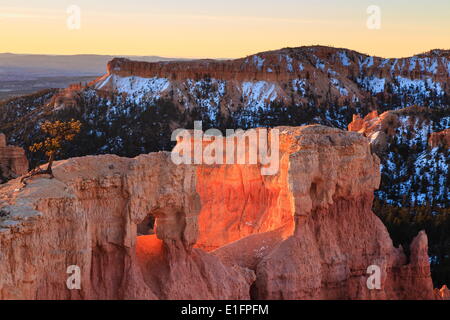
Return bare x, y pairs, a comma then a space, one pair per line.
216, 30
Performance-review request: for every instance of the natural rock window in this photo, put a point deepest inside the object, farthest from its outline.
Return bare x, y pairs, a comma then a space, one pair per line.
147, 226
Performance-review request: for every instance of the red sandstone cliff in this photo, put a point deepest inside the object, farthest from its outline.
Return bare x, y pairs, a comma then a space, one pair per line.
440, 139
412, 120
306, 233
286, 64
443, 293
376, 127
13, 162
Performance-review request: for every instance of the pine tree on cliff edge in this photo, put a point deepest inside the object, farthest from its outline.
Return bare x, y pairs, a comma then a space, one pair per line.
57, 133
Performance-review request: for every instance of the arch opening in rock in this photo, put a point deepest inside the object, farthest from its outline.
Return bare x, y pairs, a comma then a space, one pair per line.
147, 227
149, 252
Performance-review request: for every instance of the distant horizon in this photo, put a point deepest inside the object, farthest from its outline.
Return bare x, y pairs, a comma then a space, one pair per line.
86, 54
212, 58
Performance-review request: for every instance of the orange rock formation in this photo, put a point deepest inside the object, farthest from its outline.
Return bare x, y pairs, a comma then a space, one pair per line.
376, 127
13, 162
307, 232
443, 293
440, 139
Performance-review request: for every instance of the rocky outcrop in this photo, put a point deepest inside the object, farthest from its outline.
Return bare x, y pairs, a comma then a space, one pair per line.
376, 127
67, 98
443, 293
306, 232
379, 127
13, 162
440, 139
413, 169
331, 178
88, 215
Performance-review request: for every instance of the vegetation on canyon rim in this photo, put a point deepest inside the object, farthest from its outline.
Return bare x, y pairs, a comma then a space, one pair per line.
58, 133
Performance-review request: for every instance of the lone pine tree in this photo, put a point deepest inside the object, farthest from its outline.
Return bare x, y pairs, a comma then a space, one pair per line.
57, 133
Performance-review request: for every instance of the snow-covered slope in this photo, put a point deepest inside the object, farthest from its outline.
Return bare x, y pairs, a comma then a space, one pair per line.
414, 170
292, 76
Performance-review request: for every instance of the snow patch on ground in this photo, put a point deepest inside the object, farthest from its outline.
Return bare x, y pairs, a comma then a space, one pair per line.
258, 94
206, 94
136, 88
258, 62
448, 65
337, 84
423, 173
299, 86
412, 63
384, 63
289, 62
394, 65
373, 84
344, 59
319, 64
368, 62
418, 87
433, 66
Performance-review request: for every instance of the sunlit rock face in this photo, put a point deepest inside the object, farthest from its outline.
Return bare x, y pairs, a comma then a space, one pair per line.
443, 293
208, 232
331, 179
13, 162
440, 139
88, 216
376, 127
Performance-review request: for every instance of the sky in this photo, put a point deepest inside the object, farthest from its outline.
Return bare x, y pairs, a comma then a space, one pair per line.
221, 29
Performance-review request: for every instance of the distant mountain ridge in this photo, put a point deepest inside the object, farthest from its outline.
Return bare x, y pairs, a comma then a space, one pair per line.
81, 64
294, 76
